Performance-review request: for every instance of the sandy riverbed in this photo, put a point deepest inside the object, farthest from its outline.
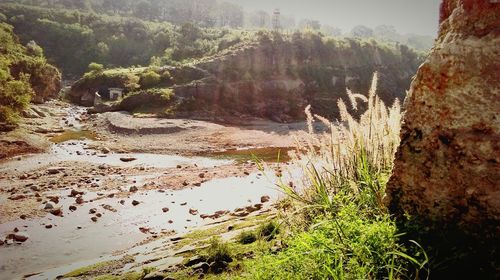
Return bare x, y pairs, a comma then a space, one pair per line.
134, 179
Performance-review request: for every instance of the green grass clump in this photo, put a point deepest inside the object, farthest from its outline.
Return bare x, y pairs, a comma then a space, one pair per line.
218, 250
247, 237
268, 230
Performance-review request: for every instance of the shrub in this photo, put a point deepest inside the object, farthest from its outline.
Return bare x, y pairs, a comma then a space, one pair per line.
96, 67
149, 79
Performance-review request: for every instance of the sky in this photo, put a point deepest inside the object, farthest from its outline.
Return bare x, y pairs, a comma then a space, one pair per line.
407, 16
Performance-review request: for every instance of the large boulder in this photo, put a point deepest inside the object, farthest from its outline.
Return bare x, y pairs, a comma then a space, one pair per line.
447, 172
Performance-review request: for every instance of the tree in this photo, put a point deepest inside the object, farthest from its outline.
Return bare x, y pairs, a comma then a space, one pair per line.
309, 24
361, 31
96, 67
34, 49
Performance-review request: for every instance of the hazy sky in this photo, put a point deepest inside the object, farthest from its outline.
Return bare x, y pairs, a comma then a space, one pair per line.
408, 16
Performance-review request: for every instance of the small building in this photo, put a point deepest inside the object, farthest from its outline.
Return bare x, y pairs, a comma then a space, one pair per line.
115, 93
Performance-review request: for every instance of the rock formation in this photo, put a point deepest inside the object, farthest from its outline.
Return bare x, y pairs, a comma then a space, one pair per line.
275, 76
447, 170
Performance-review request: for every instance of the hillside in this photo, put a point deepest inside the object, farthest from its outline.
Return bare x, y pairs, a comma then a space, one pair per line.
111, 40
25, 76
272, 76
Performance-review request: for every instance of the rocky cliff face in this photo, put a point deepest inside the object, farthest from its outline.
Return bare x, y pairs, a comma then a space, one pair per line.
274, 77
447, 169
278, 77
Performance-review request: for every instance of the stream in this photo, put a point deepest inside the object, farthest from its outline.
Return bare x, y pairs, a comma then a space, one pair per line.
74, 238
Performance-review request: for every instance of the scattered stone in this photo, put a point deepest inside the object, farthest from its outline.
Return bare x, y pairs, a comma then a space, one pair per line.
55, 170
128, 159
1, 242
170, 221
135, 202
246, 173
265, 199
92, 211
184, 203
105, 150
201, 175
98, 215
165, 209
185, 183
48, 226
18, 236
79, 200
54, 199
179, 166
72, 208
109, 208
230, 228
94, 219
122, 202
133, 189
75, 193
144, 230
23, 217
193, 212
197, 184
48, 206
57, 212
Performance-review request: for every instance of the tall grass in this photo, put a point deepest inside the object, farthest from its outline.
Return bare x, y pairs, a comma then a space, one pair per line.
340, 228
356, 153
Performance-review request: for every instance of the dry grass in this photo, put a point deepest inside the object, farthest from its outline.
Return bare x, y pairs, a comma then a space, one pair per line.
354, 152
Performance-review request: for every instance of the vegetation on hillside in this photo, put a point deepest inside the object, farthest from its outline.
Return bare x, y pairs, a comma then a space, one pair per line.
24, 75
110, 40
120, 35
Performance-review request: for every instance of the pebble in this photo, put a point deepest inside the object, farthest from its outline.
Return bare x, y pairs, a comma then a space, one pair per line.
48, 206
135, 202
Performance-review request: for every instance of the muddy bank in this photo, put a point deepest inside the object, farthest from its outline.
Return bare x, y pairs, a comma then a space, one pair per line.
188, 137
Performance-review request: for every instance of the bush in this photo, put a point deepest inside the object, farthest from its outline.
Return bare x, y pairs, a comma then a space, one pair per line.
96, 67
149, 79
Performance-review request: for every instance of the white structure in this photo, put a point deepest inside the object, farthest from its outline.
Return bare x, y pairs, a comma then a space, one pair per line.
115, 93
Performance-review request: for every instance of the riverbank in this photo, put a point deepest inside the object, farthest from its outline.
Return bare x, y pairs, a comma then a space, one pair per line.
109, 182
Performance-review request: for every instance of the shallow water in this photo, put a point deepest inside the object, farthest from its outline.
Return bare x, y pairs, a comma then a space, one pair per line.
266, 154
78, 151
64, 244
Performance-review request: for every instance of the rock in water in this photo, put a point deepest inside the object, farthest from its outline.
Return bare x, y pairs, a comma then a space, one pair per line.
128, 159
265, 199
48, 206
